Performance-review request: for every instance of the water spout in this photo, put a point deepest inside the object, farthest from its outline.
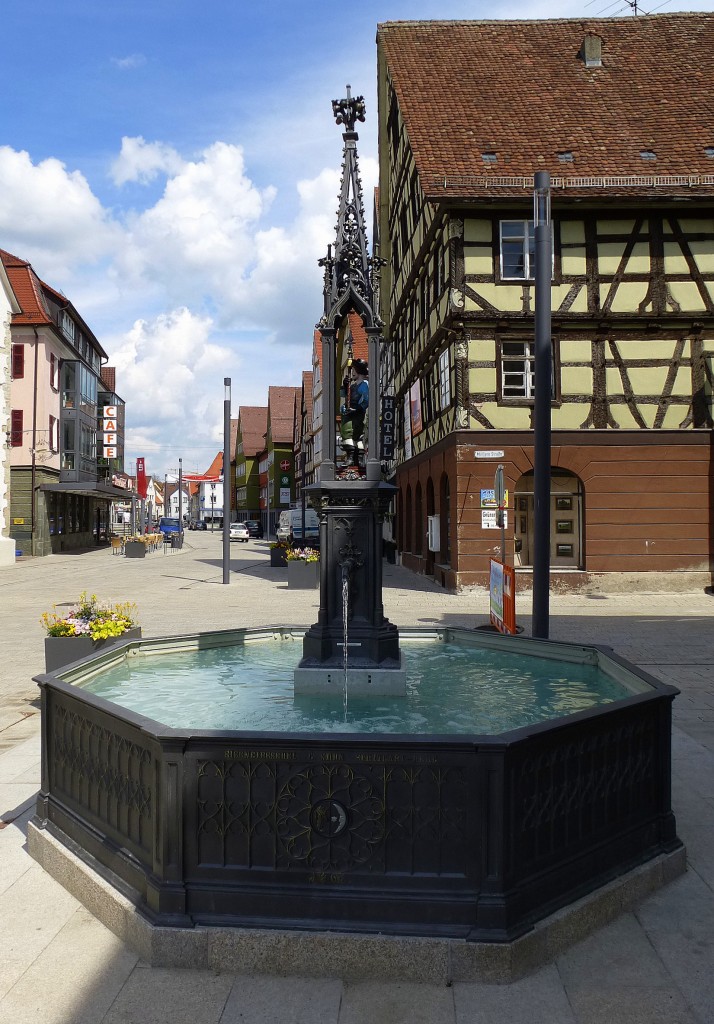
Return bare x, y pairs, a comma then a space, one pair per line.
345, 617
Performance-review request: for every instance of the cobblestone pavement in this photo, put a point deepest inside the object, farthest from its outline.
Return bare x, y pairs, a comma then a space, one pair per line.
59, 965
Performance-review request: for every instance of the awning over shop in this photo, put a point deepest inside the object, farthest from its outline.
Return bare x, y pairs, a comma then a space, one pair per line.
89, 490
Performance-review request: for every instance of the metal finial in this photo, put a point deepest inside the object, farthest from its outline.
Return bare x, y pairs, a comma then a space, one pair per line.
349, 110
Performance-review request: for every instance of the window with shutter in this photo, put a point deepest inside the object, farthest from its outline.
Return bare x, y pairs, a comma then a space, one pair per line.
16, 428
53, 371
18, 361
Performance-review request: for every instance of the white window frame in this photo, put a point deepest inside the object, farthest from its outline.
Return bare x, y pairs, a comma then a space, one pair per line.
444, 380
526, 390
526, 236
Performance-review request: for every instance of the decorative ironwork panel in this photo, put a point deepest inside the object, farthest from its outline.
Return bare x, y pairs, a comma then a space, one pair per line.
106, 777
342, 816
584, 785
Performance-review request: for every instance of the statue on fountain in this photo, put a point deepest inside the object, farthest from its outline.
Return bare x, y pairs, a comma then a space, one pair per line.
354, 414
352, 642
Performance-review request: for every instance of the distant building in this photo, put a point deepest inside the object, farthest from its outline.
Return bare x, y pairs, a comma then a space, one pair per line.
277, 465
8, 306
61, 411
251, 427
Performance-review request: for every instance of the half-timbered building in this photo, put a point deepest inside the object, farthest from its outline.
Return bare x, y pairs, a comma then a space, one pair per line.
620, 112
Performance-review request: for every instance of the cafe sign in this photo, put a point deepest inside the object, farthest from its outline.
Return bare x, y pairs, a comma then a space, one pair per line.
109, 431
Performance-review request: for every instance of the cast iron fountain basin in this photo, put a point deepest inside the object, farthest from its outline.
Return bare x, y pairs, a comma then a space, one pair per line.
475, 837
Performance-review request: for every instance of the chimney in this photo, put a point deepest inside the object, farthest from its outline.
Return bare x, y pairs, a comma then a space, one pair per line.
591, 51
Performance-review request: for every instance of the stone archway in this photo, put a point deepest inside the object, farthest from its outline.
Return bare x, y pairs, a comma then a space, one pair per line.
567, 549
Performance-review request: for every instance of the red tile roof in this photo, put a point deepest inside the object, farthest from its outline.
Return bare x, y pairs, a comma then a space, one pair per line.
28, 291
307, 382
521, 90
281, 412
216, 467
253, 425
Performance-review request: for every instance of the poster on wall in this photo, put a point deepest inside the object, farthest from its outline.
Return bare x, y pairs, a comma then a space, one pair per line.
415, 408
489, 519
488, 498
407, 428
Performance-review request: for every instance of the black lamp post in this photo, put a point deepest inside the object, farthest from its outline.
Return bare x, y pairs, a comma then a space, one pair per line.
226, 479
541, 412
180, 498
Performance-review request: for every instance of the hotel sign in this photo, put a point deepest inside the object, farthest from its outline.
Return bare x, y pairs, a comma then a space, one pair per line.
388, 423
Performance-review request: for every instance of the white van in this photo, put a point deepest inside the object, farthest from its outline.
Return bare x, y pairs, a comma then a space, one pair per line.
290, 525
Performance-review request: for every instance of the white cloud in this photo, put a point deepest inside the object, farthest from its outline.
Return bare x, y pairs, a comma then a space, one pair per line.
197, 240
170, 373
50, 216
142, 161
134, 60
159, 359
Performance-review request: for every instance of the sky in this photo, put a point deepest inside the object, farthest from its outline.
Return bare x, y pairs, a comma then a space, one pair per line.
173, 168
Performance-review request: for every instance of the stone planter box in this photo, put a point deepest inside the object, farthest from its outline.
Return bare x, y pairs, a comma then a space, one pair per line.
133, 549
277, 558
303, 575
63, 650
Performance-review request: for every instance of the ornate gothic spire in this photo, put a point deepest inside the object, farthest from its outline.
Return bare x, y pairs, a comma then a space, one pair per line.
350, 271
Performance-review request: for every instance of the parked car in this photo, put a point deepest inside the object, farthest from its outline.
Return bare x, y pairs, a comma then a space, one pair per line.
169, 525
255, 527
239, 531
197, 524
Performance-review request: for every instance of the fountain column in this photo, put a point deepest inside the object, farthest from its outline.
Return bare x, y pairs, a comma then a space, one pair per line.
350, 506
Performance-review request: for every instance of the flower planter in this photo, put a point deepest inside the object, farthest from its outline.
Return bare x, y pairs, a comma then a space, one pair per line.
277, 557
63, 650
132, 549
303, 575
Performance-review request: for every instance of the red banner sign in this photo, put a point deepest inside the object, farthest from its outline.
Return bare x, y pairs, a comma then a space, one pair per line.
141, 482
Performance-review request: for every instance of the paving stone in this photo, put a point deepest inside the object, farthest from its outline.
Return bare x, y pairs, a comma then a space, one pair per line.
37, 908
618, 955
14, 766
54, 991
384, 1003
264, 1000
539, 998
630, 1005
155, 995
679, 924
15, 798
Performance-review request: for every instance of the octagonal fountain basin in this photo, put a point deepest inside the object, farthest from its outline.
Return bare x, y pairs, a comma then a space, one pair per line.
516, 776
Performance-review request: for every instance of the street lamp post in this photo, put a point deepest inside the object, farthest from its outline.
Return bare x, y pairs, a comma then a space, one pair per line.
302, 487
180, 498
226, 479
541, 412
